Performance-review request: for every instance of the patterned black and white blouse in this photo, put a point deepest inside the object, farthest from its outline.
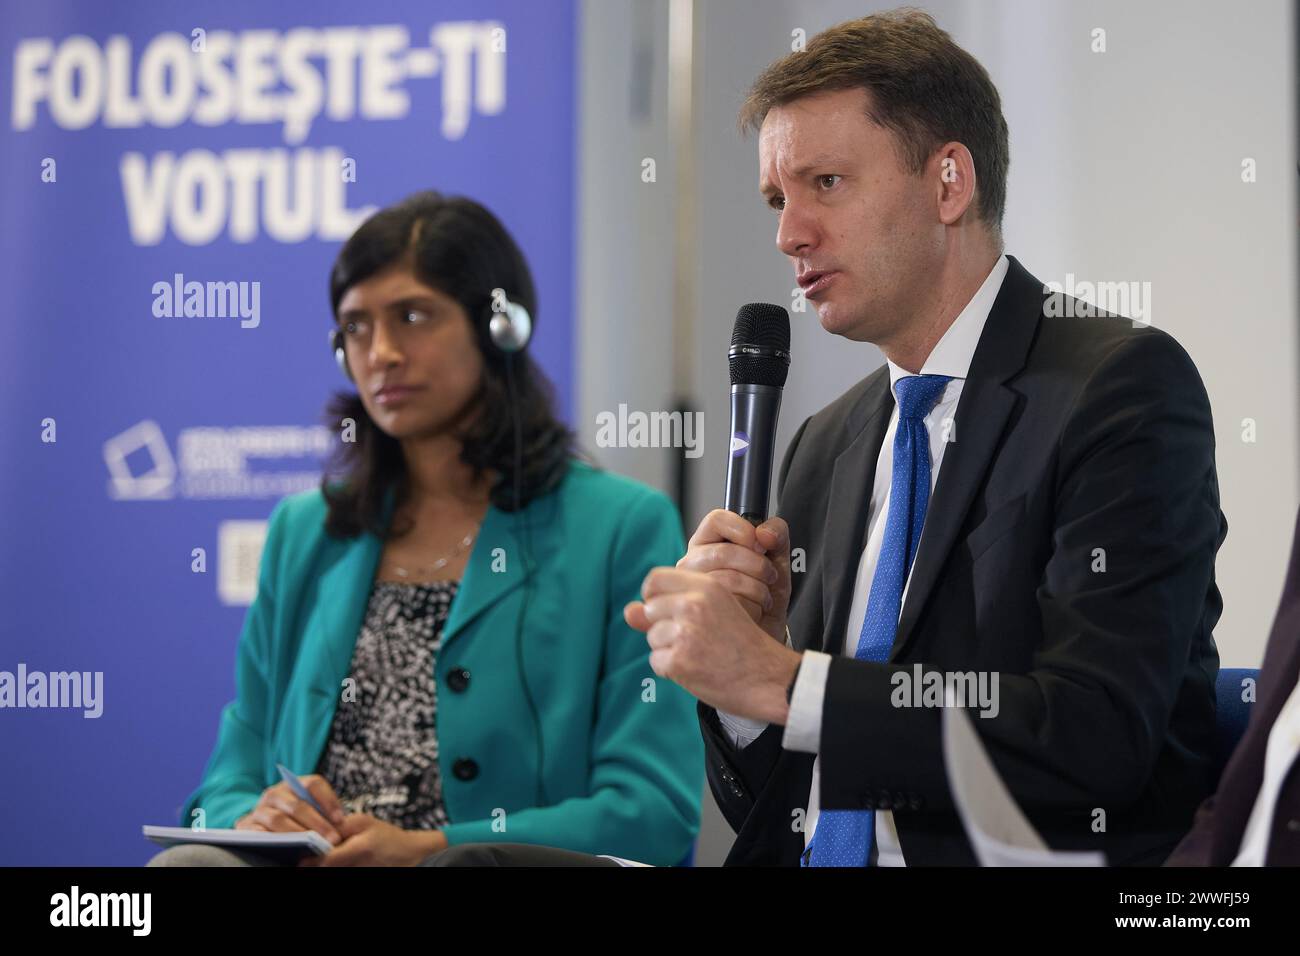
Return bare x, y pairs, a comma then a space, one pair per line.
381, 756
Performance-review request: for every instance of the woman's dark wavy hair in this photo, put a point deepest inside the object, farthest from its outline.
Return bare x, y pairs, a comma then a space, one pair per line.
458, 247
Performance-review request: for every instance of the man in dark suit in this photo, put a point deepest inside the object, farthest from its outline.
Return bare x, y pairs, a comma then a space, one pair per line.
1253, 819
1060, 464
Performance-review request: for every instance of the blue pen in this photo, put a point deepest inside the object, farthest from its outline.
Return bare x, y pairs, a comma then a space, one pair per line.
299, 788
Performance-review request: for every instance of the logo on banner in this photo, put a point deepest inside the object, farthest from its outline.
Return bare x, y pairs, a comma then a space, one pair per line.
212, 462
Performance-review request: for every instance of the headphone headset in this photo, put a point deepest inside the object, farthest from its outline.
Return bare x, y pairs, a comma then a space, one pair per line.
509, 329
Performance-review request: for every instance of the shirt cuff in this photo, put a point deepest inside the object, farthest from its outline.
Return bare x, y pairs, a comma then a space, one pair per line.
803, 729
741, 730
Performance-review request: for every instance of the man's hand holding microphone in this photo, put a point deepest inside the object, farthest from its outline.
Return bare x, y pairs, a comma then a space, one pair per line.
716, 623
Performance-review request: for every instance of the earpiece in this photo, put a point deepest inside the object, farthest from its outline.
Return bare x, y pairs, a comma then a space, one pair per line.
340, 356
510, 328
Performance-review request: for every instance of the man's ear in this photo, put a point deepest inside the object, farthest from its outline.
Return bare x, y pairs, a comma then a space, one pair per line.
953, 170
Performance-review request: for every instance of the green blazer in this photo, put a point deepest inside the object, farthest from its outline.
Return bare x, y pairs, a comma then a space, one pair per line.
621, 753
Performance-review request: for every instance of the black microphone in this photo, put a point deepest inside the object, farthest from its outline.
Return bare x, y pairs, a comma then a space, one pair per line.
759, 360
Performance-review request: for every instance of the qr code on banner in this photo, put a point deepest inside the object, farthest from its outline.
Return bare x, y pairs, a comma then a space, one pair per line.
239, 553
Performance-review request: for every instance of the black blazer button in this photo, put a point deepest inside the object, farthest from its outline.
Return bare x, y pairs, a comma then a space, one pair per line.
464, 769
458, 679
732, 783
1293, 826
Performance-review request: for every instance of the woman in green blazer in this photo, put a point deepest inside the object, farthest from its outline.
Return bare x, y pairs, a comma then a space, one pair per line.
437, 645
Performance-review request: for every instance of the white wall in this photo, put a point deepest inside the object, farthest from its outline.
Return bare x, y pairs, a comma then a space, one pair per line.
625, 260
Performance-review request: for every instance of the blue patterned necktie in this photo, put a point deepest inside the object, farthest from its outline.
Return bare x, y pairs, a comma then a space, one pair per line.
843, 837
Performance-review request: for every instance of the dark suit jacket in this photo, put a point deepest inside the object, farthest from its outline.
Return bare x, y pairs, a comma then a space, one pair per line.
1220, 823
1072, 434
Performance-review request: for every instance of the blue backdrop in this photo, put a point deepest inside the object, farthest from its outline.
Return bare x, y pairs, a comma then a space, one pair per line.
236, 142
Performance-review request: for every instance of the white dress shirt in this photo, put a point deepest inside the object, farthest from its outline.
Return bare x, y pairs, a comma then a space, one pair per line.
1279, 754
951, 356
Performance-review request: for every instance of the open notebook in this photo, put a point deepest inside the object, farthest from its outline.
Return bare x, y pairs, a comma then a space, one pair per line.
287, 847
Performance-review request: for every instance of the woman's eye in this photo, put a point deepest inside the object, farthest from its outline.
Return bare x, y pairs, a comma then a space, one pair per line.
822, 180
777, 203
349, 328
416, 316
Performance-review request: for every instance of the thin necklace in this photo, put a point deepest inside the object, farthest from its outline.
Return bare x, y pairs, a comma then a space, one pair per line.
441, 563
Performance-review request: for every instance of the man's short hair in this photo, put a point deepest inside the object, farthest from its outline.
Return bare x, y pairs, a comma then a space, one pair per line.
922, 86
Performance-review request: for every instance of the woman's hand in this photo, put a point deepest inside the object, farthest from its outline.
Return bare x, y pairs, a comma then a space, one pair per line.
280, 810
371, 842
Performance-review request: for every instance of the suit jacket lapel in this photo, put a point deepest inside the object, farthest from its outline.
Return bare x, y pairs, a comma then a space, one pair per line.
499, 562
982, 413
345, 594
329, 637
849, 504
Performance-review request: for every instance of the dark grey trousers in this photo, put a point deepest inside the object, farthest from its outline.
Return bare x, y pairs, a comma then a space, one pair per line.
512, 854
201, 854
